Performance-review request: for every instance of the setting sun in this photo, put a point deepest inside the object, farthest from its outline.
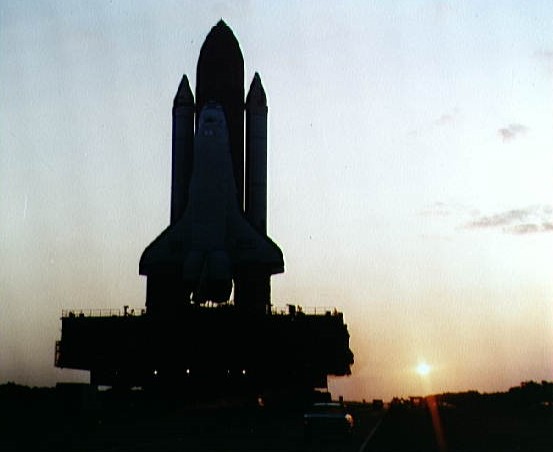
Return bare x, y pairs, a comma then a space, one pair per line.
423, 369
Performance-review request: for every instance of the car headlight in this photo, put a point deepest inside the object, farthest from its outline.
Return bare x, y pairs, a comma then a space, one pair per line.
349, 419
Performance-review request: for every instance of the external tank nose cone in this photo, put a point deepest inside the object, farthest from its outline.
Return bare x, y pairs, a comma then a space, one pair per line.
220, 69
220, 31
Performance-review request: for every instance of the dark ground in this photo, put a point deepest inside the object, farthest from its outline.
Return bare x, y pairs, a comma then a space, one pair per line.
464, 430
76, 419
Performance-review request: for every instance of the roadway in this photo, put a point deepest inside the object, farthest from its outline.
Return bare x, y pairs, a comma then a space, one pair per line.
226, 429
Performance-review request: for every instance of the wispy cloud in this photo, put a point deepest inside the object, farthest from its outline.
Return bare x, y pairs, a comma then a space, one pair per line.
447, 118
500, 219
528, 220
440, 209
521, 229
512, 131
443, 209
546, 58
444, 119
545, 55
523, 221
436, 237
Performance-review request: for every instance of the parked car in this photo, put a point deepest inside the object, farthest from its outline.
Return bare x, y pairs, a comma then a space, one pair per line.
327, 419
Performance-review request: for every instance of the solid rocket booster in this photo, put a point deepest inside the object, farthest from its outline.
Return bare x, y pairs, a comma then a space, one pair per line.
253, 287
256, 156
183, 141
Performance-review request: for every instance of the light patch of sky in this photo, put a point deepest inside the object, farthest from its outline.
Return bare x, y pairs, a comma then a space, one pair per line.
384, 143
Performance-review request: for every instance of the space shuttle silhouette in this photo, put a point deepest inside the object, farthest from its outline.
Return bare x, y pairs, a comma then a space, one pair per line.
215, 249
212, 242
217, 240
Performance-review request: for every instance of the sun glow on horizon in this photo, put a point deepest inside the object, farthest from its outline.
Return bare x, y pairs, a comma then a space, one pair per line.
423, 368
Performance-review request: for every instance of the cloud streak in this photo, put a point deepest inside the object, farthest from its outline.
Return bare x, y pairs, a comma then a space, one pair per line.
500, 219
512, 131
442, 209
530, 220
447, 118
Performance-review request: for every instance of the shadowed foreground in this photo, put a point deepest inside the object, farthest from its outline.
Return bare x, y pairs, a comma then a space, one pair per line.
463, 429
42, 419
76, 418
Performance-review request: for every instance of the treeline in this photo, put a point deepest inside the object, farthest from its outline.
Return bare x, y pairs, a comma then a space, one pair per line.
24, 397
529, 395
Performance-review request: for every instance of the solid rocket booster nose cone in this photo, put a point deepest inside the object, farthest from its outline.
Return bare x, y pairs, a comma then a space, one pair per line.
256, 95
184, 94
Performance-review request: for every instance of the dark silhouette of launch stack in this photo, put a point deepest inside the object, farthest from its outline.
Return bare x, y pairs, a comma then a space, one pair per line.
211, 241
193, 334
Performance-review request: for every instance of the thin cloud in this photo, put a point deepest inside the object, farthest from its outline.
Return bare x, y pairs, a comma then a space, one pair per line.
530, 220
500, 219
545, 57
439, 209
434, 237
523, 229
446, 119
546, 54
512, 131
443, 209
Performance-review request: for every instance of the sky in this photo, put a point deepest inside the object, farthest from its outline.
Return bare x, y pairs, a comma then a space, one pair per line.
410, 174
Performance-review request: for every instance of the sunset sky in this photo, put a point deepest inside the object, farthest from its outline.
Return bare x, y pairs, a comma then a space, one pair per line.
410, 174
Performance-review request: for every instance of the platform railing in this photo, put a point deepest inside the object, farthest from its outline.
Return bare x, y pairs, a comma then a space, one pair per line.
308, 310
126, 312
100, 312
